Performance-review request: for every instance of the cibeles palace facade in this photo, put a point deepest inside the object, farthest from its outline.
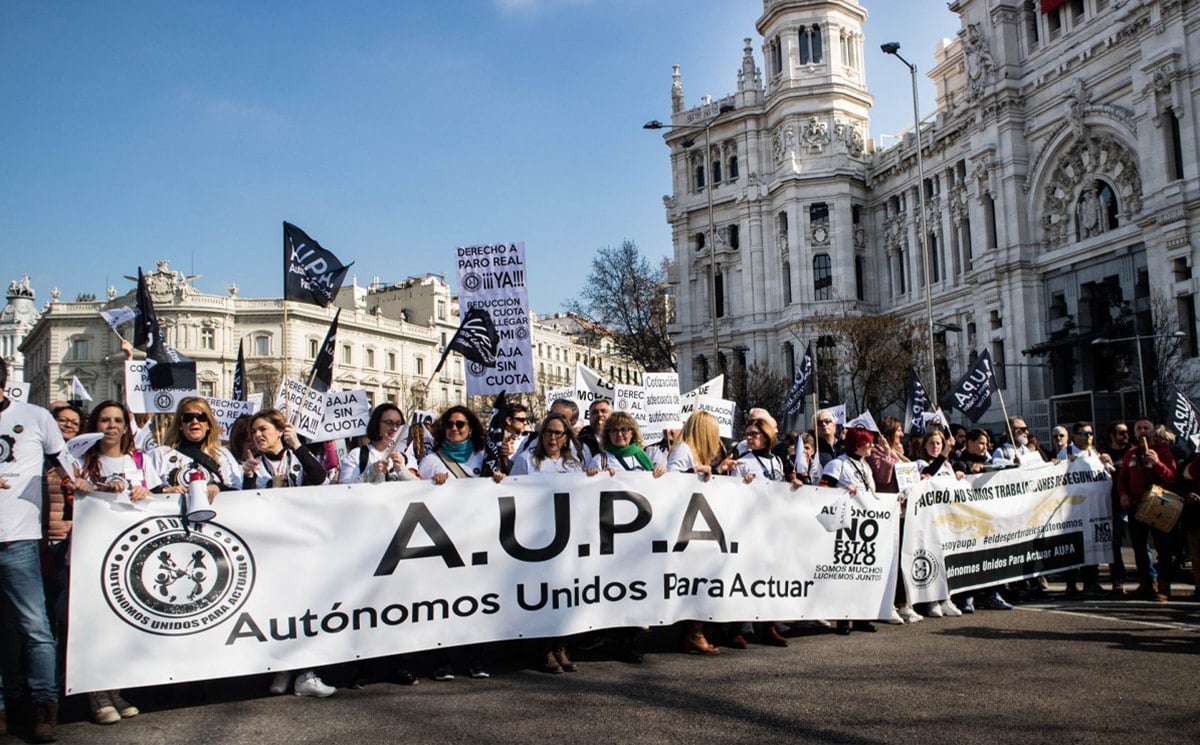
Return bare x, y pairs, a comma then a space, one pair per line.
1061, 185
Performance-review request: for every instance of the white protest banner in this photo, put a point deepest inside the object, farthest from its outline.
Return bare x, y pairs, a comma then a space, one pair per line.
559, 393
256, 399
663, 405
631, 399
346, 415
714, 387
282, 581
721, 409
908, 475
143, 399
226, 412
308, 419
590, 386
16, 390
1003, 526
493, 277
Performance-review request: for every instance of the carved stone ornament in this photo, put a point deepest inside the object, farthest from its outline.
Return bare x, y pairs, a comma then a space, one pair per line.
815, 134
980, 63
1071, 180
848, 134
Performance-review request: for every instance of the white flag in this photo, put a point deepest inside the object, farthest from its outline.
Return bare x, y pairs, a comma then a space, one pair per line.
864, 421
117, 316
78, 392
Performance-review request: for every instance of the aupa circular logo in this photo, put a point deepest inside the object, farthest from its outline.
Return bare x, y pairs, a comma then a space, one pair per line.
924, 568
163, 579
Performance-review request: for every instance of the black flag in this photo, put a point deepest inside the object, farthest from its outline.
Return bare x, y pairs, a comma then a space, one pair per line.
1185, 420
802, 386
973, 393
476, 339
322, 369
310, 273
495, 438
916, 404
239, 376
166, 367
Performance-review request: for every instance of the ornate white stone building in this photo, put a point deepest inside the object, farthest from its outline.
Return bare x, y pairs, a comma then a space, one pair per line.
390, 337
16, 320
1061, 185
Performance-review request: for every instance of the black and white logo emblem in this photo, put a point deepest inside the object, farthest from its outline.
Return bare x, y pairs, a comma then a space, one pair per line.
924, 568
164, 580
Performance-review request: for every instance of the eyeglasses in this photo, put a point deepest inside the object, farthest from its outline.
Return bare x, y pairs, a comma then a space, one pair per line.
458, 424
1086, 432
555, 433
753, 433
391, 423
71, 423
192, 416
1060, 435
1122, 433
521, 419
823, 422
1020, 429
621, 430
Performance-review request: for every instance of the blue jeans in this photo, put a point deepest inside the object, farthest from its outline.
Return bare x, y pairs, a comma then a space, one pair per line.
1140, 535
21, 583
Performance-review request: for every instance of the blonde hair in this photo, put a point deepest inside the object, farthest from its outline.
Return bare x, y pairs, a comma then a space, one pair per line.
702, 436
623, 419
768, 429
212, 439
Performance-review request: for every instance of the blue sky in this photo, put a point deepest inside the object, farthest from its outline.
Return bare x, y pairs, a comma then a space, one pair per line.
390, 131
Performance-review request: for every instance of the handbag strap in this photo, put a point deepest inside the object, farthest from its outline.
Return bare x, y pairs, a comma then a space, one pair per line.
453, 466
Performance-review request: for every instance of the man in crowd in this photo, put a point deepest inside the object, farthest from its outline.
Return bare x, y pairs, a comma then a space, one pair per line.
28, 434
516, 424
1014, 449
1118, 446
829, 440
1147, 463
589, 436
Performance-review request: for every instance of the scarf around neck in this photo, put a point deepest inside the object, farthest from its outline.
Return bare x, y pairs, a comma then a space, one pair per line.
630, 450
459, 452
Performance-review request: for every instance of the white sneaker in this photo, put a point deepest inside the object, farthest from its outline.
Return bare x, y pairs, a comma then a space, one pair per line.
281, 682
949, 609
908, 615
934, 610
895, 619
308, 684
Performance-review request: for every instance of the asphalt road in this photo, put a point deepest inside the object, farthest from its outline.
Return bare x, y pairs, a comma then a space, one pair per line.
1094, 671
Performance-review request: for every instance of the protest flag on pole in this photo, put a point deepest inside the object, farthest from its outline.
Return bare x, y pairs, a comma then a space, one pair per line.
78, 392
495, 437
166, 368
801, 386
1185, 419
321, 377
476, 339
116, 317
311, 274
916, 403
239, 376
972, 395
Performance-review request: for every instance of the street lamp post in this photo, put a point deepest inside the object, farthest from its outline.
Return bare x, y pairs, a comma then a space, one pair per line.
893, 48
1137, 339
712, 230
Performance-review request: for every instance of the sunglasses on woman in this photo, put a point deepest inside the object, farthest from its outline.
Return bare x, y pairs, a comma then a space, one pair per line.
192, 416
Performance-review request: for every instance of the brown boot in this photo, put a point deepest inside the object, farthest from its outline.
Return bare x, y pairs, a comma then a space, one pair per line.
1164, 591
45, 721
564, 661
551, 664
694, 641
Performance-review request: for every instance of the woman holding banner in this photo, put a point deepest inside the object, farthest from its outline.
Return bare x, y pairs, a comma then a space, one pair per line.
554, 451
382, 459
698, 451
623, 449
282, 462
852, 472
459, 449
112, 465
193, 444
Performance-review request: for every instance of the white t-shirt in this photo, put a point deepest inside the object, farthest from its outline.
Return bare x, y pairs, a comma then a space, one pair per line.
525, 463
849, 472
606, 460
681, 459
350, 473
28, 433
432, 464
770, 467
167, 461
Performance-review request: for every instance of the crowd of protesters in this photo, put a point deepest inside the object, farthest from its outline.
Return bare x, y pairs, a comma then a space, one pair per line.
264, 452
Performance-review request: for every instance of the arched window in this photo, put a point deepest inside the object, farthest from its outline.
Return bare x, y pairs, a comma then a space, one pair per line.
787, 283
716, 171
816, 43
805, 49
733, 167
822, 277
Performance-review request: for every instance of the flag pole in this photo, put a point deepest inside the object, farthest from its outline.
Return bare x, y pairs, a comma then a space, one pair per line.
287, 402
1007, 422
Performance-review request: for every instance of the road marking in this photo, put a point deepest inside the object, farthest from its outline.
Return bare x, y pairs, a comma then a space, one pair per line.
1175, 625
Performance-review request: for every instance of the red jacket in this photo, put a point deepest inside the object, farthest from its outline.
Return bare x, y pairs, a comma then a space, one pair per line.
1137, 474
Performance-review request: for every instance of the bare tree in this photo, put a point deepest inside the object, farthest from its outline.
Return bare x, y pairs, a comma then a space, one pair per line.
874, 356
624, 294
1166, 364
756, 385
